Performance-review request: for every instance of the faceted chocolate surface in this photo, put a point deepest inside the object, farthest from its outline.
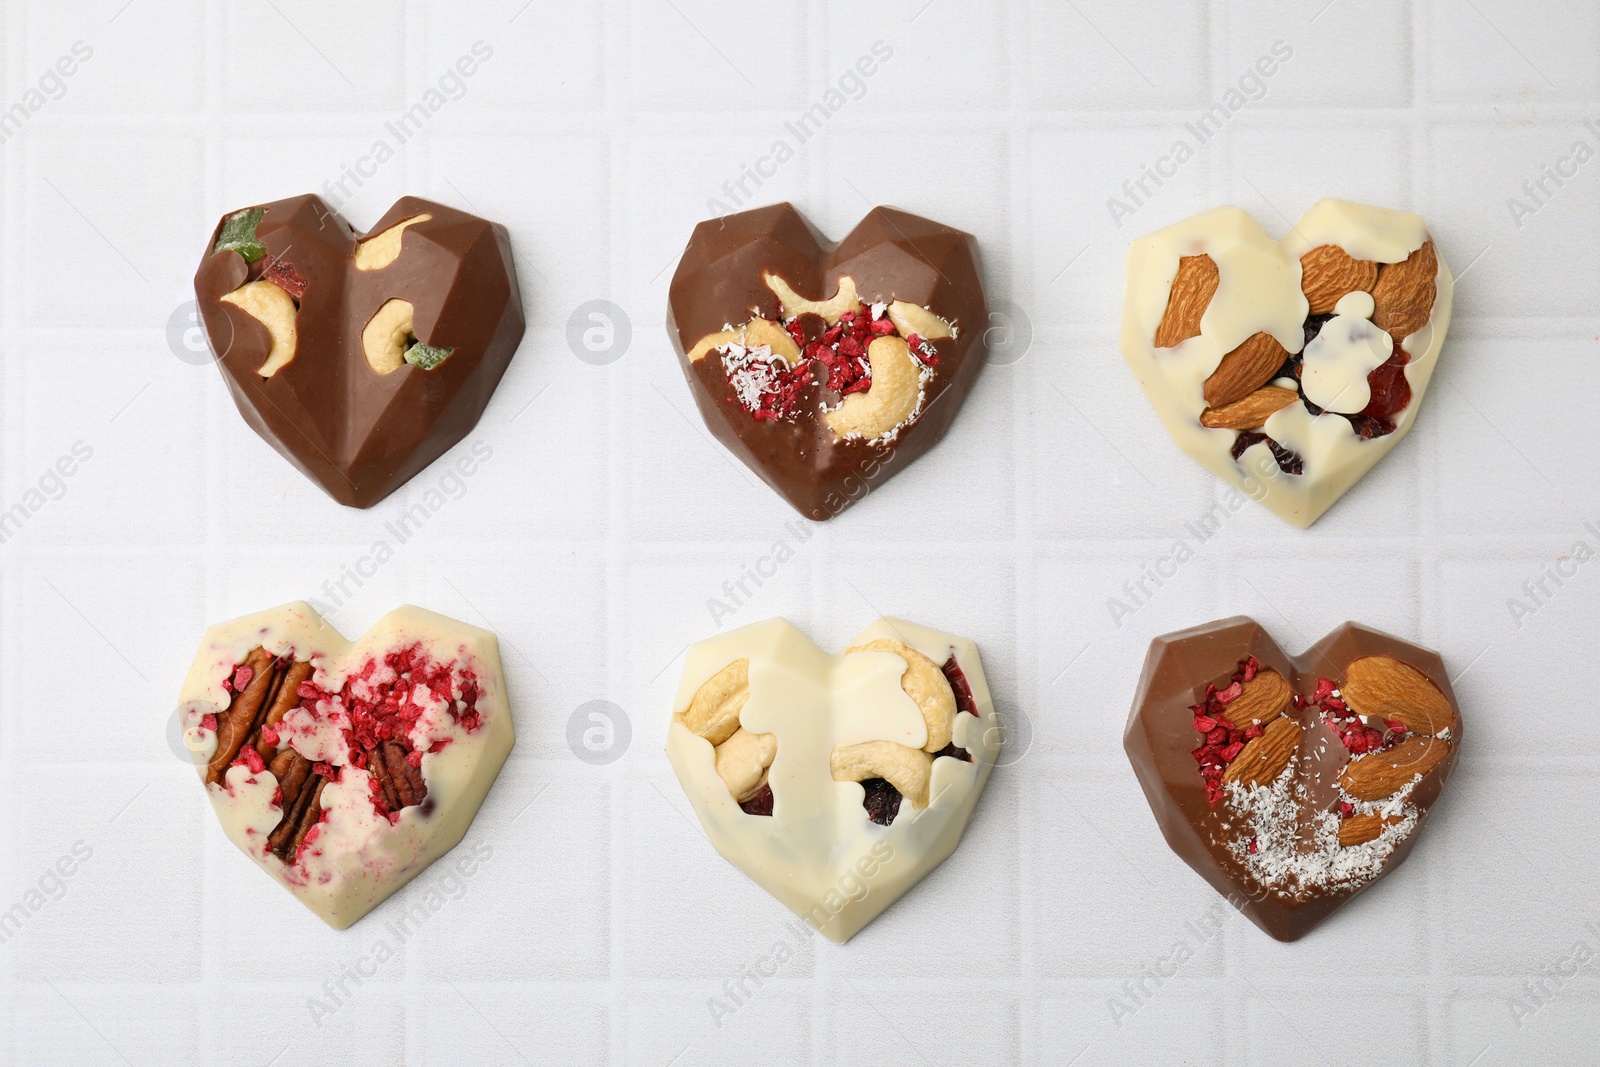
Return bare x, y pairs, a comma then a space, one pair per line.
890, 256
1162, 742
357, 431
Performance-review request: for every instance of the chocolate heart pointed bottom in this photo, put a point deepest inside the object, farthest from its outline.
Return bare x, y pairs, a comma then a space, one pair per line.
361, 359
344, 769
827, 368
836, 782
1291, 783
1287, 368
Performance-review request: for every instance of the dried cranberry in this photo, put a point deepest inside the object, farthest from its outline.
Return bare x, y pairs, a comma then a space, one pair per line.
760, 804
882, 801
960, 687
1289, 461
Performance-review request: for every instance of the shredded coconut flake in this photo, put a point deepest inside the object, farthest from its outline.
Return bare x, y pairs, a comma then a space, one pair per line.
1294, 859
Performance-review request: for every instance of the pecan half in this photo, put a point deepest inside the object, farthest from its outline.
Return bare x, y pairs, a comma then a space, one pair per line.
271, 688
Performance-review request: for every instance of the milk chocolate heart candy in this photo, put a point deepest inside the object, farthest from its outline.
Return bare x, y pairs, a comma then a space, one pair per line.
360, 359
345, 769
1287, 368
827, 368
1291, 783
835, 782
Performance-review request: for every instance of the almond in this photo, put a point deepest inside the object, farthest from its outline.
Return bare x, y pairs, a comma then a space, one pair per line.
1191, 293
1265, 758
1244, 370
1382, 774
1359, 829
1252, 412
1328, 274
1261, 699
1385, 688
1403, 296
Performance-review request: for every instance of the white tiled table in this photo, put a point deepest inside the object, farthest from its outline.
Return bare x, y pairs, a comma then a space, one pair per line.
591, 540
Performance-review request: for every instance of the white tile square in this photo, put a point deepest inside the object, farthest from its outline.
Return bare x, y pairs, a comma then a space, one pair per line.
118, 865
96, 65
1345, 55
696, 54
320, 58
515, 918
109, 248
910, 55
117, 625
764, 1021
875, 1022
1501, 50
502, 1023
100, 1024
512, 54
686, 913
1477, 203
1105, 55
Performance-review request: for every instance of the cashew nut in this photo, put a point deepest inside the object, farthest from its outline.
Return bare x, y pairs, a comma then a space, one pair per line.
911, 318
924, 683
893, 397
904, 768
742, 762
752, 334
273, 308
382, 249
386, 335
795, 304
714, 712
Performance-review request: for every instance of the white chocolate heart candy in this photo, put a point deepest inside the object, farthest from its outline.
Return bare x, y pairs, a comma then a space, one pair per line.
1215, 321
344, 769
836, 782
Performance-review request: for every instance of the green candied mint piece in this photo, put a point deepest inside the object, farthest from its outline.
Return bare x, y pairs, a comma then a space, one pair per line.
426, 356
239, 234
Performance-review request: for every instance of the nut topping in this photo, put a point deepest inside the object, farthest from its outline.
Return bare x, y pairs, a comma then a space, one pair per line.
1267, 757
380, 250
905, 768
1192, 289
925, 683
1261, 699
743, 760
1404, 294
271, 306
1328, 274
1382, 687
1382, 774
1250, 413
1359, 829
714, 712
1244, 370
795, 305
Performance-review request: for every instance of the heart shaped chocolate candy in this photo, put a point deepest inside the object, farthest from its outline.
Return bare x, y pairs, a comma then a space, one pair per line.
827, 368
1291, 783
817, 775
360, 359
344, 769
1287, 368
